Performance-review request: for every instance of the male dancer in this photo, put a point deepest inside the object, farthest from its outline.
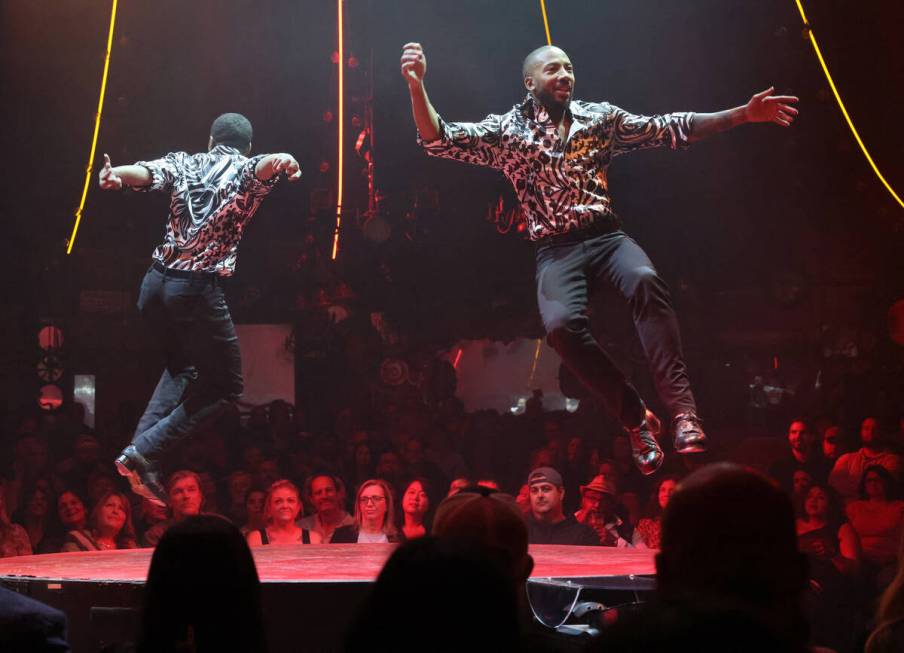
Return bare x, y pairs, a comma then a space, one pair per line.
214, 196
556, 152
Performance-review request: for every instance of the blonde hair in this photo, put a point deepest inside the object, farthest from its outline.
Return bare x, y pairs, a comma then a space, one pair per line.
279, 485
388, 526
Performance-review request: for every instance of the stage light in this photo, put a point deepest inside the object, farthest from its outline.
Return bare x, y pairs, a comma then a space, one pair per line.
340, 125
808, 31
100, 108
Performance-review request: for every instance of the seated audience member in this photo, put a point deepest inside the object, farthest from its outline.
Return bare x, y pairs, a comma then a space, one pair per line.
877, 517
183, 489
802, 454
646, 535
210, 493
801, 482
29, 626
415, 506
598, 511
457, 485
831, 444
283, 507
456, 597
849, 467
238, 484
374, 516
523, 499
150, 515
203, 592
71, 516
547, 523
833, 552
888, 635
109, 527
729, 575
35, 515
255, 510
13, 538
326, 493
390, 469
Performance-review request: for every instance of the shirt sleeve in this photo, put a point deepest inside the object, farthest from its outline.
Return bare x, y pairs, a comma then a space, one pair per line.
165, 172
479, 143
633, 132
249, 182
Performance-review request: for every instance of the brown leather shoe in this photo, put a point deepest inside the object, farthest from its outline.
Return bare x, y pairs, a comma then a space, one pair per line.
689, 435
645, 448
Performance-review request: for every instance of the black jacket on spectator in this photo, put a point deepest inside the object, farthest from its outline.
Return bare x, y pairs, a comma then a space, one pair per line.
567, 531
28, 625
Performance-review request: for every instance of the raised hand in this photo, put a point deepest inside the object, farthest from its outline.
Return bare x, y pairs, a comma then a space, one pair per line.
107, 179
414, 63
286, 163
764, 107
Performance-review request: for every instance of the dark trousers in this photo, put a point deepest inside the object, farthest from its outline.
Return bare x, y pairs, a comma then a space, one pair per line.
203, 373
565, 267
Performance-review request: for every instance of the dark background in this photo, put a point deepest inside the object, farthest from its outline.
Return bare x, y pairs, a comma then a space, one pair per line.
780, 245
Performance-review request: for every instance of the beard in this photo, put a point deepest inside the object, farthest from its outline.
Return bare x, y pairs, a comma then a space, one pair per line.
548, 99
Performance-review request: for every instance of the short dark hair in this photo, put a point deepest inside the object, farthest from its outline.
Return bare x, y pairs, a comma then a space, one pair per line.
232, 129
891, 485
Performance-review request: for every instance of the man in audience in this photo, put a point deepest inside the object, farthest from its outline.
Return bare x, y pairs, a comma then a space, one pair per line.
598, 511
831, 444
802, 454
729, 575
849, 467
327, 494
185, 498
547, 523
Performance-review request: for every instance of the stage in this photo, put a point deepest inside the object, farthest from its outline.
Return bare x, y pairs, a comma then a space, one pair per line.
310, 589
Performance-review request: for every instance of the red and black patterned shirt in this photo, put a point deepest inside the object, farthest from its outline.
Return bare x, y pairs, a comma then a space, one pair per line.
561, 185
214, 196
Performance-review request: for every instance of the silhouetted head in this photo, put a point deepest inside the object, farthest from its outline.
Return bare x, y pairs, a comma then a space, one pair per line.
232, 129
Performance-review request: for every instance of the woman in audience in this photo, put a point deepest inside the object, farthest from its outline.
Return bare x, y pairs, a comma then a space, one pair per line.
283, 509
109, 527
255, 510
888, 635
35, 514
13, 538
71, 516
646, 535
374, 516
877, 517
415, 506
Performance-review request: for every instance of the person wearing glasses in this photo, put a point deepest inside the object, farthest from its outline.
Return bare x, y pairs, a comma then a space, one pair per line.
374, 516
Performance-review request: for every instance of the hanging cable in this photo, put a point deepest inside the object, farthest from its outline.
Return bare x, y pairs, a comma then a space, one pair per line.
100, 108
340, 124
847, 117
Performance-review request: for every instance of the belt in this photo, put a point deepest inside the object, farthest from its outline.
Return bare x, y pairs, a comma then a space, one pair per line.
596, 228
184, 274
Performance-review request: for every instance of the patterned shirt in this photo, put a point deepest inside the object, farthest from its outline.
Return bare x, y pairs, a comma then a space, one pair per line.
561, 185
214, 195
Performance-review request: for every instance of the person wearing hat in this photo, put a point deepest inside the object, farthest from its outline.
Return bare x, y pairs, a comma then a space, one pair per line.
214, 195
546, 522
599, 511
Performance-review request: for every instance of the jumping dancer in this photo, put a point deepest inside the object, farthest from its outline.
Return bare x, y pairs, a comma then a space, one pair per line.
556, 152
214, 195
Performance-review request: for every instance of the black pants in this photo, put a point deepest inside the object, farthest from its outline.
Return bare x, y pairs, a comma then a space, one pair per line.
203, 373
565, 265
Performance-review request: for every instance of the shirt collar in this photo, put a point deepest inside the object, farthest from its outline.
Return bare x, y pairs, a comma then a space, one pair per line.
536, 111
224, 149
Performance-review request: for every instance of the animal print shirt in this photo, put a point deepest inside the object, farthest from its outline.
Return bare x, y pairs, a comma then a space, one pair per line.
214, 196
561, 185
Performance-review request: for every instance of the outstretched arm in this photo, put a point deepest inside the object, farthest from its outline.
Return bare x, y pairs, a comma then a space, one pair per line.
111, 178
414, 67
273, 164
762, 107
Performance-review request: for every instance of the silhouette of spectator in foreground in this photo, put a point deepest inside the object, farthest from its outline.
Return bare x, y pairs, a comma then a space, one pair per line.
28, 625
454, 597
203, 592
729, 575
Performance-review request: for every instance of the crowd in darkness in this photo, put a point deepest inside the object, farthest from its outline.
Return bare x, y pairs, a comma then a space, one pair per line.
380, 475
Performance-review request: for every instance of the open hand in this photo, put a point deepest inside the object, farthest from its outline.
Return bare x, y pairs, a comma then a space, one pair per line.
107, 179
764, 107
414, 63
286, 163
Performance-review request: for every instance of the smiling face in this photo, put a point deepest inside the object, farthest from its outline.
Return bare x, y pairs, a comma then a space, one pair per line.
549, 76
71, 511
546, 500
284, 506
112, 514
324, 495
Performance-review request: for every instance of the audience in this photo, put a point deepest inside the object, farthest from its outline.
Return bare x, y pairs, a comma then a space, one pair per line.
547, 523
109, 527
374, 516
185, 499
598, 511
13, 538
29, 626
849, 467
415, 506
255, 510
283, 507
802, 455
326, 493
888, 635
647, 533
877, 517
